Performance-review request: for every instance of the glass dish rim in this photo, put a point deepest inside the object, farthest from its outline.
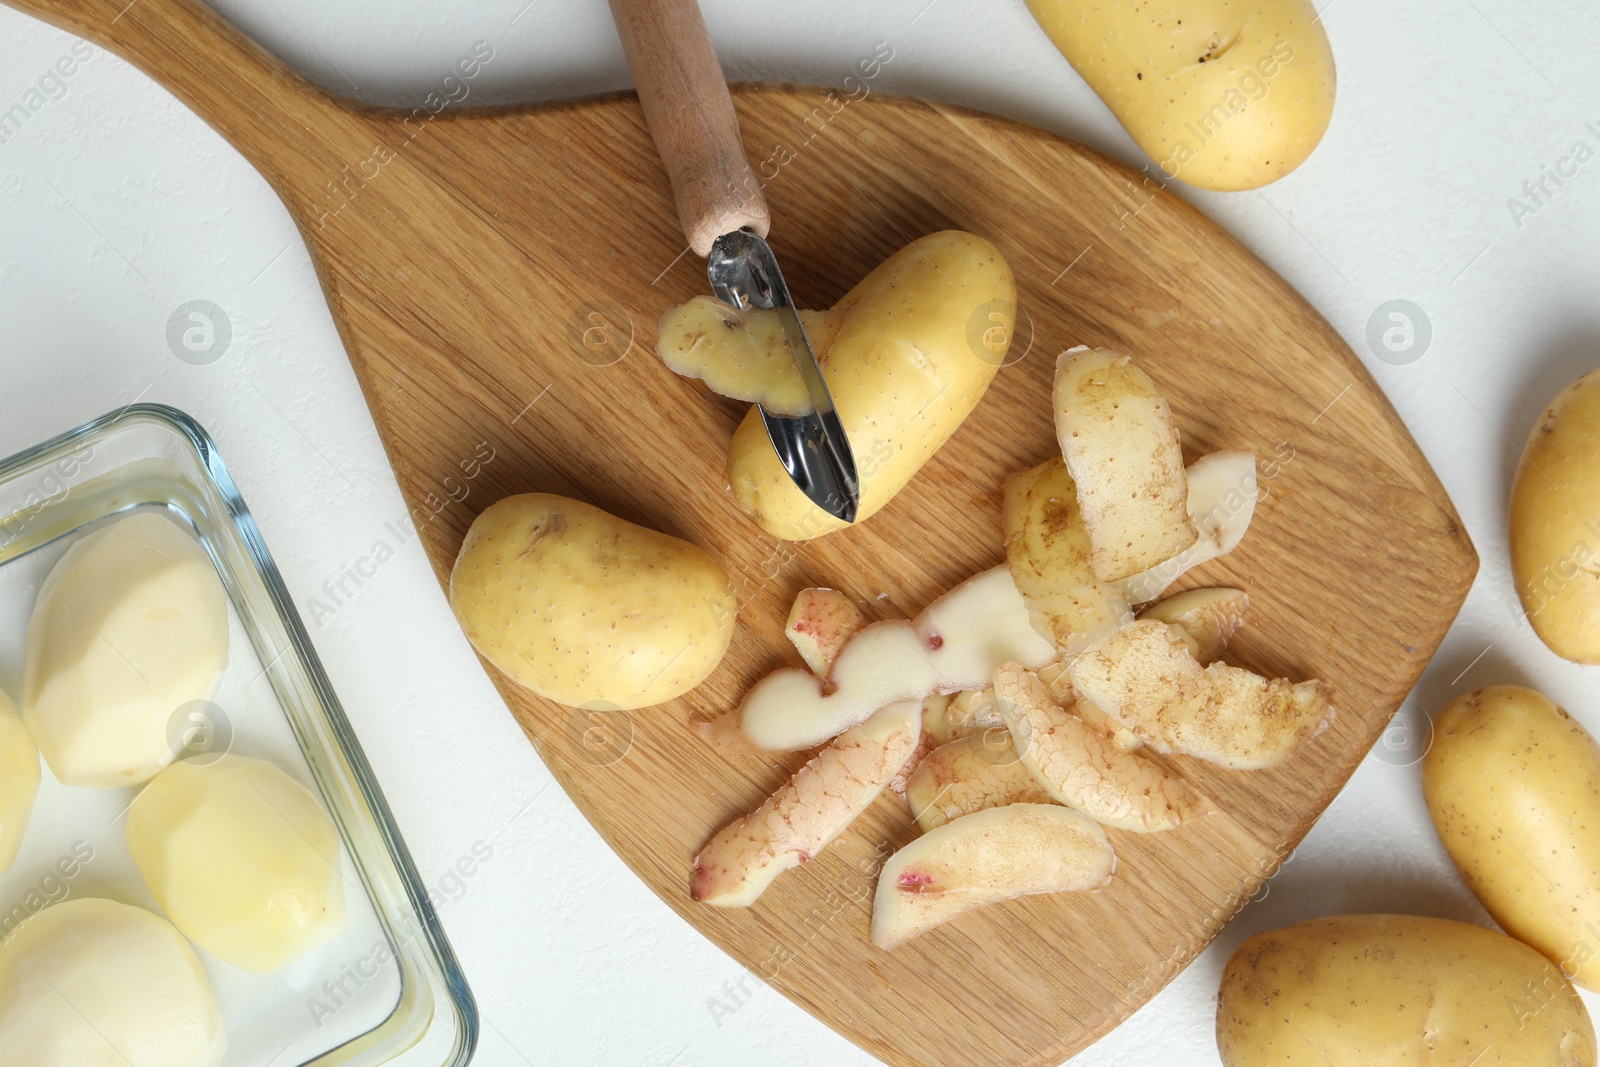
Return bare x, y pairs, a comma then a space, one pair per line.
438, 963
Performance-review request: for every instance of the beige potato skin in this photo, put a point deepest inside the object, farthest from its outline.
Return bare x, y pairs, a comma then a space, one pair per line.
588, 609
1221, 94
1122, 451
1397, 991
1513, 784
1555, 523
904, 374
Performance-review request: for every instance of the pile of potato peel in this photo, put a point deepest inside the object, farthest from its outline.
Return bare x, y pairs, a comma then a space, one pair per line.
1013, 714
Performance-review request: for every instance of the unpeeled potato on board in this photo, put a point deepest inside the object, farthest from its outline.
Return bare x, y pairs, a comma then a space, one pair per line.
1397, 991
588, 609
1555, 523
1222, 94
1513, 785
919, 340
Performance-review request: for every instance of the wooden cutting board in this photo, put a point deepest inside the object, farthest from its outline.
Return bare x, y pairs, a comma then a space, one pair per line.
497, 277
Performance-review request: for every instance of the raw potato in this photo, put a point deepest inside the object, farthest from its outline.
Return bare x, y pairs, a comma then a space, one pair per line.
955, 644
808, 812
742, 354
1121, 448
953, 716
588, 609
1513, 784
1058, 681
131, 625
1221, 94
921, 338
19, 781
984, 858
1221, 501
94, 983
1204, 619
1048, 551
1397, 991
242, 858
820, 623
1082, 768
1145, 678
1555, 528
969, 774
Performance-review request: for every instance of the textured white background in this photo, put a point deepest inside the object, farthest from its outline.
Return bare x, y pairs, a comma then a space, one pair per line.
116, 205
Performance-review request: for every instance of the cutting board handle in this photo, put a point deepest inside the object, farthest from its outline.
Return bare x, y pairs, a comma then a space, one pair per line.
263, 109
691, 118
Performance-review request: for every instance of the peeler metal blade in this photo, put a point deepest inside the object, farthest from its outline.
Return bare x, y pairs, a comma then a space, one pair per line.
812, 447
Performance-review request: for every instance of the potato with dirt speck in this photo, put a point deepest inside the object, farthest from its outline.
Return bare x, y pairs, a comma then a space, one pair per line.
1555, 523
1222, 94
588, 609
1397, 991
1513, 785
914, 348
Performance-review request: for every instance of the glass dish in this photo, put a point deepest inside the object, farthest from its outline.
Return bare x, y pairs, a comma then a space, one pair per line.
390, 984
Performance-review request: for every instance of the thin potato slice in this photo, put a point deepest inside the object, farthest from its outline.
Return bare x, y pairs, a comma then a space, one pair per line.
970, 774
1081, 768
1204, 619
1059, 683
950, 718
820, 623
1223, 490
1122, 450
955, 644
742, 354
1048, 551
985, 858
1145, 678
808, 812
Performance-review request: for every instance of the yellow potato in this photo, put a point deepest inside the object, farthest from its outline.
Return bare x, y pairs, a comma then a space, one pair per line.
242, 858
1397, 991
919, 342
1223, 94
1555, 523
1513, 784
588, 609
1048, 551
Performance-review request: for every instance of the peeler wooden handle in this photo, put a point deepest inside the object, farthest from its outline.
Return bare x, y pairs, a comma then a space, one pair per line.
691, 118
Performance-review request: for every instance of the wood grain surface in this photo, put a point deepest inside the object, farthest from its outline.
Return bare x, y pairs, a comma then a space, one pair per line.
497, 277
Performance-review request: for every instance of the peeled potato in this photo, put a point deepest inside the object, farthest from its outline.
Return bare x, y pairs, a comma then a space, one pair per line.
131, 625
920, 340
242, 858
19, 781
585, 608
94, 983
1222, 94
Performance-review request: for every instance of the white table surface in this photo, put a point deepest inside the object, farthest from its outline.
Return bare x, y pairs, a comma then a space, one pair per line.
117, 205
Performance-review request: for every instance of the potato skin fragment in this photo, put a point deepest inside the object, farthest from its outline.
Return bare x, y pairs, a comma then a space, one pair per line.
990, 856
1206, 619
820, 623
970, 774
1082, 768
809, 811
1122, 449
1049, 555
1146, 679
